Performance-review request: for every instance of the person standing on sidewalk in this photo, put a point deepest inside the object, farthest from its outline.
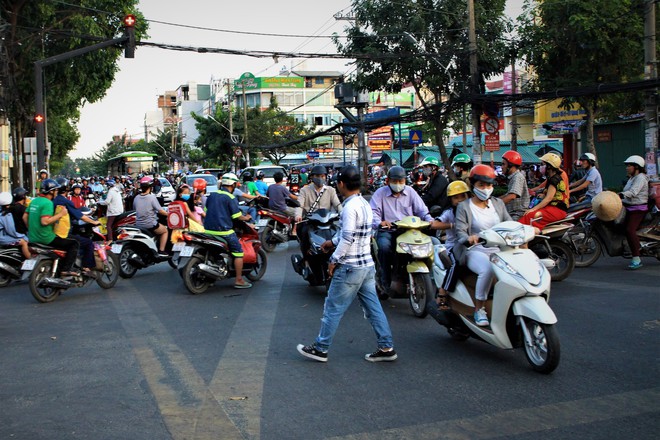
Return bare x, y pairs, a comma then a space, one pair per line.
353, 274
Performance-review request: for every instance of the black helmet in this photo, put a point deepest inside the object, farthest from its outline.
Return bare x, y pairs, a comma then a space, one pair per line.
318, 170
48, 185
260, 175
396, 173
349, 174
19, 194
247, 176
63, 183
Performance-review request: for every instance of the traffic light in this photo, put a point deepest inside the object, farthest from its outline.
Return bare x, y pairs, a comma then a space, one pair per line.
39, 119
129, 32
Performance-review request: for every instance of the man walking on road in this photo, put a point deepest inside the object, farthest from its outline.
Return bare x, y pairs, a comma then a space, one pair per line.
352, 270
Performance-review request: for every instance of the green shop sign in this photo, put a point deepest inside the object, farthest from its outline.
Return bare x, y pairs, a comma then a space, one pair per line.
269, 82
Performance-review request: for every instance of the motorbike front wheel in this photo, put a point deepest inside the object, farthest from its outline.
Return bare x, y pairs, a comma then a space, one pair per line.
126, 269
42, 270
194, 280
4, 280
260, 266
544, 352
420, 290
108, 278
587, 248
268, 243
564, 260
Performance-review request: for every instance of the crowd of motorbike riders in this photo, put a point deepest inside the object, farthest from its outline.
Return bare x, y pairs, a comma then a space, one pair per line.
460, 209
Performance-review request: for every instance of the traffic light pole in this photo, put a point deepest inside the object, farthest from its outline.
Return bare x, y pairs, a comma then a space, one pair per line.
39, 88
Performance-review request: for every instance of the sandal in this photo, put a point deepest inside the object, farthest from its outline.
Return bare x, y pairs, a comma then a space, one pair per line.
443, 302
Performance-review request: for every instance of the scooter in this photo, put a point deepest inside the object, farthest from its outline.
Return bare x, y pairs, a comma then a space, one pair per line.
205, 258
41, 270
413, 265
321, 226
275, 227
611, 236
551, 244
137, 248
518, 306
11, 260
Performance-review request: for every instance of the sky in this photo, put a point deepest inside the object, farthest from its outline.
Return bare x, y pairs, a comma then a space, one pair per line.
140, 80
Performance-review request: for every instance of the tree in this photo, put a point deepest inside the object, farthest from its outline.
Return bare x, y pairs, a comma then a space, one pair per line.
583, 42
383, 30
40, 29
214, 141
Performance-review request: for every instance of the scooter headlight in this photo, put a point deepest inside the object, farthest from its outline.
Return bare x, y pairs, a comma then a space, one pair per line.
506, 267
515, 237
418, 250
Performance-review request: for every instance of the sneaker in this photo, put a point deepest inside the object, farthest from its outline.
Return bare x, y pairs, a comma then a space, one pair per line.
381, 356
635, 265
310, 351
480, 318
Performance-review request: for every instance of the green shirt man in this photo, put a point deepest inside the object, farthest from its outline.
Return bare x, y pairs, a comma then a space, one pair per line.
37, 232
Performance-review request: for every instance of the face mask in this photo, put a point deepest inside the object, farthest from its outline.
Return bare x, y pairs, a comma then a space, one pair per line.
427, 171
185, 196
457, 170
482, 194
318, 181
397, 187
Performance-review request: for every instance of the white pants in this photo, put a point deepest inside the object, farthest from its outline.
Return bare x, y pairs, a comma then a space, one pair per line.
479, 263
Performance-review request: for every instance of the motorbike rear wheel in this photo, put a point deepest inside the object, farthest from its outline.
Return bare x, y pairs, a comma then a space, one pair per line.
259, 270
564, 260
126, 269
544, 353
108, 278
42, 270
193, 279
4, 280
420, 291
268, 243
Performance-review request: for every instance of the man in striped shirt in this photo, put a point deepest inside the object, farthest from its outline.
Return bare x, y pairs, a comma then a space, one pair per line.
352, 270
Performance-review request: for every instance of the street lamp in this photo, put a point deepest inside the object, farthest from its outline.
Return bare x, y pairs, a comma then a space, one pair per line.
169, 158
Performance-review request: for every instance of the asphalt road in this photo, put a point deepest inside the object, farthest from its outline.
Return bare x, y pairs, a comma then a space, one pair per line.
147, 360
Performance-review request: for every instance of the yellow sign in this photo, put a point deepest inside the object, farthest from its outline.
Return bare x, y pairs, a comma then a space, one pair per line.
551, 112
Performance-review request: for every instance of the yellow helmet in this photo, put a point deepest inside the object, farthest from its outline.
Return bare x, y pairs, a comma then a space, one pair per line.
457, 187
552, 159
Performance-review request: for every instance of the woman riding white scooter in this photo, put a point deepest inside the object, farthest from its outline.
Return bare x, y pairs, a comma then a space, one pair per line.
479, 213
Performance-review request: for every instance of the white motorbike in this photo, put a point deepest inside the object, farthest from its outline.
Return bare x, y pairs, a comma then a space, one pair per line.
517, 308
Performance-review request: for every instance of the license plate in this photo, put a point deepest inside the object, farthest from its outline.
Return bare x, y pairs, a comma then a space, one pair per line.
262, 222
187, 251
28, 264
116, 249
178, 246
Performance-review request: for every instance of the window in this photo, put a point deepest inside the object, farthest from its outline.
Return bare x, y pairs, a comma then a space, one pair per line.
319, 80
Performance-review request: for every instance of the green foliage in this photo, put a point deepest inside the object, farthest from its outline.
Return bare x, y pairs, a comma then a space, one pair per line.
441, 29
40, 29
276, 127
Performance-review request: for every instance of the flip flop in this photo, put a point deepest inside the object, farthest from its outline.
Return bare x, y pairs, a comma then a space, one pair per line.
245, 285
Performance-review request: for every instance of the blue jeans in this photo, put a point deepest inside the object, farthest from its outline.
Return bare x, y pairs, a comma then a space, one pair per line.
386, 242
347, 283
250, 210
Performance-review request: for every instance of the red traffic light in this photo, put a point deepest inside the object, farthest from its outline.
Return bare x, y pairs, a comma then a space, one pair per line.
39, 118
129, 20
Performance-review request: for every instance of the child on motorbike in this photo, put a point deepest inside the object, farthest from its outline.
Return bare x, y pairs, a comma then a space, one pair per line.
457, 191
479, 213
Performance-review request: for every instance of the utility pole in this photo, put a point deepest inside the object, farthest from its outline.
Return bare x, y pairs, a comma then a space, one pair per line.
245, 126
514, 110
474, 85
651, 72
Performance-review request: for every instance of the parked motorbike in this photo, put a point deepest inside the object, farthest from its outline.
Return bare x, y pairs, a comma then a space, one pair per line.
518, 306
42, 269
275, 227
413, 265
205, 258
321, 226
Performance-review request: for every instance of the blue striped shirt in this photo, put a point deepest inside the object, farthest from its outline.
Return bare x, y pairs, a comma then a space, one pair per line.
354, 239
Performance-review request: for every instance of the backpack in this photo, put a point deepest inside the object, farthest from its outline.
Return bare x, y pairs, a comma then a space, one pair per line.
176, 216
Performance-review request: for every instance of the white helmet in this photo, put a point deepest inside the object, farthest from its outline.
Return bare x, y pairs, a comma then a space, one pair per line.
229, 179
637, 160
5, 198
